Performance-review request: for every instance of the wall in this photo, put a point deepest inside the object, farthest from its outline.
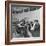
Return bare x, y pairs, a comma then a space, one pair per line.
2, 25
32, 15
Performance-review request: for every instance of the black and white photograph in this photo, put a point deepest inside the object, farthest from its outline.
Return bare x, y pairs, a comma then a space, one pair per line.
25, 22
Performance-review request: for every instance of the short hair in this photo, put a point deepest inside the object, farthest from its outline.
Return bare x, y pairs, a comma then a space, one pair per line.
31, 22
35, 20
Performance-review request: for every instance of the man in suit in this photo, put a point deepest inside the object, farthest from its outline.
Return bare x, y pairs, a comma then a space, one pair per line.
36, 32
